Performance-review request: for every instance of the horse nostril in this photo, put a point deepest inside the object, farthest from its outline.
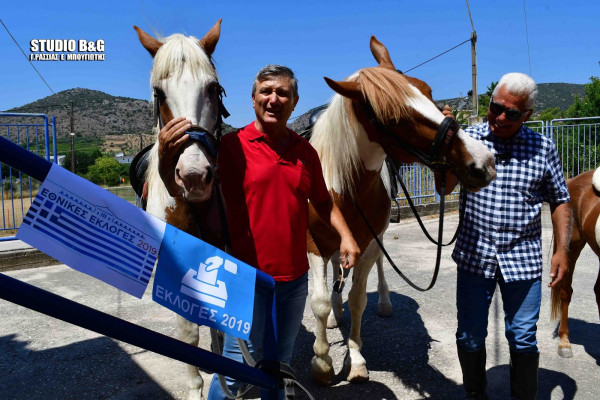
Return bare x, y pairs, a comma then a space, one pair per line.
476, 172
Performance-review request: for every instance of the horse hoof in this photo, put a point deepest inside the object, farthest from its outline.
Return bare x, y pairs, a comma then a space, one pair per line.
322, 372
565, 352
332, 322
358, 375
384, 310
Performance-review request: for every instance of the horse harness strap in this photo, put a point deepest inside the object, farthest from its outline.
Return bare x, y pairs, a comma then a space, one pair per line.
433, 158
209, 140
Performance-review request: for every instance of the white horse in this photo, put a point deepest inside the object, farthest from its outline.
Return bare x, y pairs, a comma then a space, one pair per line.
375, 112
185, 83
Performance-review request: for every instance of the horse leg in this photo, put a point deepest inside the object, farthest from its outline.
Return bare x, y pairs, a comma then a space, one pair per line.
384, 305
189, 333
355, 364
597, 292
566, 292
321, 364
337, 309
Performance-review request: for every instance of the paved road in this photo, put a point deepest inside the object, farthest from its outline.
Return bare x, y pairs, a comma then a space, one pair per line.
410, 355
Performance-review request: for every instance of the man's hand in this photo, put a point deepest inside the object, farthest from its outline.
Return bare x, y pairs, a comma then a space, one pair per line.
558, 269
170, 139
447, 111
349, 252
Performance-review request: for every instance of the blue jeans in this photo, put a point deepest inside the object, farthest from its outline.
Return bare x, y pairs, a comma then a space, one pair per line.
521, 300
290, 298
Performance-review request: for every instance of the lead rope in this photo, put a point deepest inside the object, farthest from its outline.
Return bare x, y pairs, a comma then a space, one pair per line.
438, 243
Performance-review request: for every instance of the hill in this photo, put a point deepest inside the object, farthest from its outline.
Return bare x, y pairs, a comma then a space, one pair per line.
95, 113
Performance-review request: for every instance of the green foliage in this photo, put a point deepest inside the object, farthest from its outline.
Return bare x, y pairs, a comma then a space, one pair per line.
105, 171
83, 159
589, 105
484, 99
462, 116
550, 113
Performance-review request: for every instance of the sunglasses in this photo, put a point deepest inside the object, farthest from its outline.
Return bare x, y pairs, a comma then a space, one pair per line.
512, 114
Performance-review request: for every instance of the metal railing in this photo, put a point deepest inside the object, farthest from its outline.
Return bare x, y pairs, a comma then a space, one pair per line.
576, 140
36, 133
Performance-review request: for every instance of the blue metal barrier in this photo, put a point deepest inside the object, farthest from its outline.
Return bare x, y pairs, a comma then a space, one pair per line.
67, 310
34, 135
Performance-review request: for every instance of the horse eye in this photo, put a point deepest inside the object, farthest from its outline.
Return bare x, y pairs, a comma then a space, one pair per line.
160, 93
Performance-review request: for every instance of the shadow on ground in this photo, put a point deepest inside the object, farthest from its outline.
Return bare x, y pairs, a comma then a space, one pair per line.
91, 369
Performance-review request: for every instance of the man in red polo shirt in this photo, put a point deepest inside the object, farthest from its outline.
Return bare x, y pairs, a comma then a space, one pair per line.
268, 174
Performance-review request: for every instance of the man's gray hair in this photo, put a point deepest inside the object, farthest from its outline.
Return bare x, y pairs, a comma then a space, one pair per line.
519, 84
271, 71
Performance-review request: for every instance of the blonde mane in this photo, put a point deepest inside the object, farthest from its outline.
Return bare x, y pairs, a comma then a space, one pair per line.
336, 133
180, 52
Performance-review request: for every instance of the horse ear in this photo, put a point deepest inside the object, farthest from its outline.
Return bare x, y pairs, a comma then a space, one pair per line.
209, 41
348, 89
382, 56
149, 43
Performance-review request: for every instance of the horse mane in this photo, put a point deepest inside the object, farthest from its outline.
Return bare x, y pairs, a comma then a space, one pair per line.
180, 52
336, 133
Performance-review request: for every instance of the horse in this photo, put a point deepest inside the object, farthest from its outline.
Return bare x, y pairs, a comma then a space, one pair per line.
585, 203
185, 83
375, 112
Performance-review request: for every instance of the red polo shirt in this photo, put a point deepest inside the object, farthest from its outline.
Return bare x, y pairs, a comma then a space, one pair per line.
266, 196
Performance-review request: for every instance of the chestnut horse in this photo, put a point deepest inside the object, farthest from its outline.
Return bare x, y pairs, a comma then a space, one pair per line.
185, 83
375, 112
585, 203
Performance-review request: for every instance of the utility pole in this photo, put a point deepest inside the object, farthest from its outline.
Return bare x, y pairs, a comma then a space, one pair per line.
474, 70
72, 139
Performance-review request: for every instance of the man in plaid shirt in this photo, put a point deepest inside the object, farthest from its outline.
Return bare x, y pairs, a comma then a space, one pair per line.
500, 240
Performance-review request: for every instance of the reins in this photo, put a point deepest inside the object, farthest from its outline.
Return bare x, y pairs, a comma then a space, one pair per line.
438, 243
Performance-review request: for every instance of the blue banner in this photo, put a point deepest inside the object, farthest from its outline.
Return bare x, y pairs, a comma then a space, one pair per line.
204, 284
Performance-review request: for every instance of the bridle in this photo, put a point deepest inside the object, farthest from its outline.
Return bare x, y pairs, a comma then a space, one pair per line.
435, 157
210, 141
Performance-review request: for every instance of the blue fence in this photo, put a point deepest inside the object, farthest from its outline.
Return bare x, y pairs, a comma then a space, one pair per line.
36, 133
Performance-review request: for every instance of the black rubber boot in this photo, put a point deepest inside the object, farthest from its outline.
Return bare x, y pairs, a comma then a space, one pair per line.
472, 364
524, 375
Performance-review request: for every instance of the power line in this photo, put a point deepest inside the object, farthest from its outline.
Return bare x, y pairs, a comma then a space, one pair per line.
25, 55
441, 54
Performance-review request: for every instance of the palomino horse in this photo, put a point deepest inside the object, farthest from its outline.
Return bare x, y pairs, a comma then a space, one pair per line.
376, 111
585, 202
185, 83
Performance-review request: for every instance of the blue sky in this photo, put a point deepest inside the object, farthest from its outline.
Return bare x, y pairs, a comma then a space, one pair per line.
314, 38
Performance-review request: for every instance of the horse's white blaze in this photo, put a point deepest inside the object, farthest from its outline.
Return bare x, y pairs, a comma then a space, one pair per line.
481, 155
190, 97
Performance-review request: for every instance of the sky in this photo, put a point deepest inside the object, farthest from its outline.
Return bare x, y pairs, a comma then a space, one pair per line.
552, 40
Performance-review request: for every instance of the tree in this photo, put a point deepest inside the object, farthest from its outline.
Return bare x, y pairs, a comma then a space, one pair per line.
484, 99
105, 171
589, 105
551, 113
83, 160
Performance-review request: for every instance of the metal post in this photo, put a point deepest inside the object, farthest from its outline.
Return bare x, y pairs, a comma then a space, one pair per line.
474, 71
72, 140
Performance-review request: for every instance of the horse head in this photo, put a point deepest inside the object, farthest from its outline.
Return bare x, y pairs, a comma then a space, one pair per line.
399, 118
184, 83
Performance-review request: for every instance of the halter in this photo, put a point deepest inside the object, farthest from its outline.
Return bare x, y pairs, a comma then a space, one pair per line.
435, 158
208, 140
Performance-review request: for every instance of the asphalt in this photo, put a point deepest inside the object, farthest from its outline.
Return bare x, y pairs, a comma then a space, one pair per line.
410, 355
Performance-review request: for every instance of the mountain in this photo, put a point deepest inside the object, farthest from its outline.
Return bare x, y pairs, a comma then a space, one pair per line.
95, 113
99, 114
550, 95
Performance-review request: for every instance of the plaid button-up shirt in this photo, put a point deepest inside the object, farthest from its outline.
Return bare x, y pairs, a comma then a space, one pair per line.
502, 225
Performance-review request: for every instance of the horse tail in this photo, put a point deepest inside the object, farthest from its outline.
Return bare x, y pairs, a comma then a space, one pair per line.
555, 308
